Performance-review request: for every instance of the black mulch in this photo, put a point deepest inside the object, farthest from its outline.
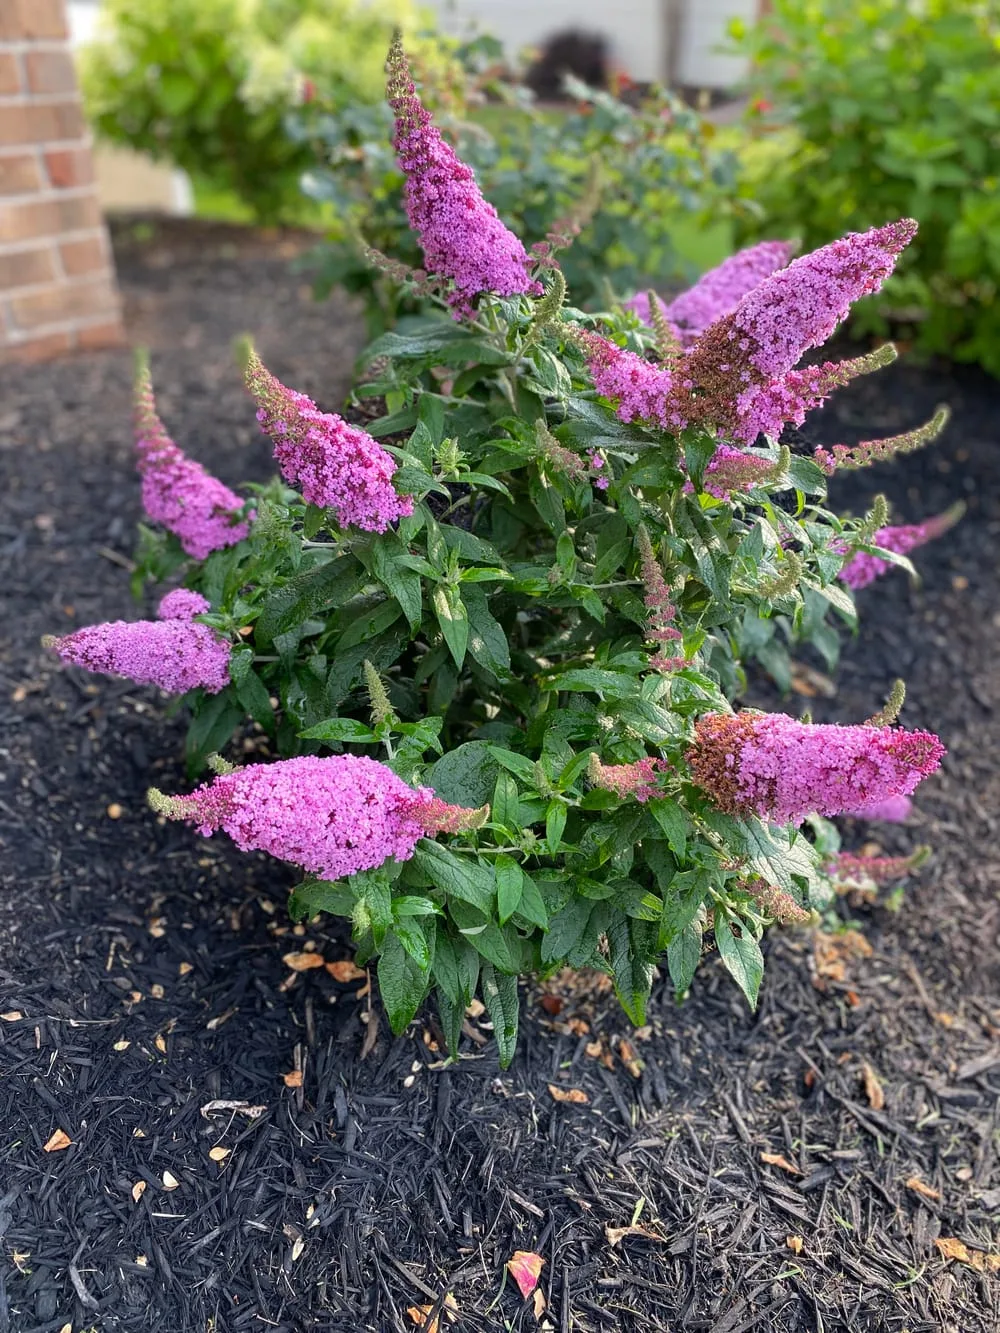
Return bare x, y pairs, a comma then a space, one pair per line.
141, 977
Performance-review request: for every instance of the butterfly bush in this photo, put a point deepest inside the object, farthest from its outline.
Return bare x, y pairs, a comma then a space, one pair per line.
487, 633
864, 568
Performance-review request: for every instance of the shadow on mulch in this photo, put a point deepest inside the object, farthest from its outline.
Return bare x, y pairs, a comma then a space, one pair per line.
142, 979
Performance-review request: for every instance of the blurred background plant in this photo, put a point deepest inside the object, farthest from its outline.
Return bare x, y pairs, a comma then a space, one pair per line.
207, 84
865, 112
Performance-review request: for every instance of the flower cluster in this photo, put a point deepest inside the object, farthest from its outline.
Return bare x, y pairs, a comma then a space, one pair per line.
894, 810
175, 654
332, 816
717, 292
863, 568
334, 464
461, 235
779, 768
731, 470
637, 779
640, 387
182, 604
660, 627
177, 492
776, 903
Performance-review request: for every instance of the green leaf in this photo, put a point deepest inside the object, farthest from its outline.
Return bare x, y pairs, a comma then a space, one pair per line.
368, 623
375, 893
319, 589
633, 975
510, 886
487, 637
340, 729
520, 765
452, 1017
253, 695
555, 825
211, 728
453, 619
403, 983
741, 955
414, 940
459, 876
466, 775
568, 930
403, 584
506, 805
502, 1005
674, 821
410, 905
532, 908
682, 897
499, 945
683, 956
320, 895
456, 966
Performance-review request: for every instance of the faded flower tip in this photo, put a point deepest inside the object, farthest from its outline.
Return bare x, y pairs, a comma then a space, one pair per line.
49, 640
171, 807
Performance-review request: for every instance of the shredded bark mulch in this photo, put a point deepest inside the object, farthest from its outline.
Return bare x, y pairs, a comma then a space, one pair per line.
249, 1149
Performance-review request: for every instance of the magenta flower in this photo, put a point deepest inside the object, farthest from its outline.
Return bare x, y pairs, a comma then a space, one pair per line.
176, 655
771, 765
766, 409
177, 492
333, 816
717, 292
640, 387
182, 604
738, 375
894, 810
731, 470
863, 569
461, 235
334, 464
637, 779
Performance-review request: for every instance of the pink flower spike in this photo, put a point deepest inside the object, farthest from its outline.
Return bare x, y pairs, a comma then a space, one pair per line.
437, 816
776, 767
174, 654
640, 387
848, 868
863, 568
177, 492
332, 816
182, 604
731, 470
638, 779
717, 292
461, 235
660, 627
335, 465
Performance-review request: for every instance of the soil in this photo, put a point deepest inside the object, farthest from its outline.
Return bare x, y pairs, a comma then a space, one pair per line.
146, 1012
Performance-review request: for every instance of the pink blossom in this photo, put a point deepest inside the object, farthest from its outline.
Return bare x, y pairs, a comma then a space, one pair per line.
660, 627
176, 655
717, 292
776, 767
863, 568
438, 816
894, 810
731, 470
640, 387
177, 492
334, 464
851, 868
332, 816
765, 409
637, 779
182, 604
460, 234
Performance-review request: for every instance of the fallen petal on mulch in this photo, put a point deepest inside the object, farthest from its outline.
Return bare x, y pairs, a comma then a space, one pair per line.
57, 1142
525, 1267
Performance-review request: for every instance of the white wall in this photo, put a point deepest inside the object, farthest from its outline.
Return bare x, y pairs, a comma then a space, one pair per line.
703, 28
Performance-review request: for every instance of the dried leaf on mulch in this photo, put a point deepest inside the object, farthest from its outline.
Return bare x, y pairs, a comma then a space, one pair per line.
953, 1248
302, 962
345, 970
873, 1088
525, 1267
575, 1095
918, 1186
57, 1141
615, 1235
776, 1159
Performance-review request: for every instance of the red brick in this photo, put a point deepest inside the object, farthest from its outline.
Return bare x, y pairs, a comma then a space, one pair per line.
65, 302
22, 20
31, 219
10, 74
94, 336
27, 268
82, 257
37, 349
69, 166
50, 72
20, 174
35, 122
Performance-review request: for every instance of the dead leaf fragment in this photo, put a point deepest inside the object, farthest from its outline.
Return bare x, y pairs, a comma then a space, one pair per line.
159, 1041
302, 962
297, 1247
21, 1258
122, 1045
57, 1142
628, 1057
776, 1159
219, 1154
184, 969
138, 1190
953, 1248
170, 1181
425, 1319
575, 1095
538, 1299
615, 1235
345, 970
293, 1079
795, 1244
525, 1268
873, 1088
12, 1015
919, 1187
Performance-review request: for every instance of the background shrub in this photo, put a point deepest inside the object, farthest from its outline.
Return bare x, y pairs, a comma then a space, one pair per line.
895, 110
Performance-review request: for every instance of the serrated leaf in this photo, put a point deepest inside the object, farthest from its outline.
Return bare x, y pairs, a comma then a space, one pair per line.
318, 589
487, 638
674, 821
411, 934
320, 895
460, 877
632, 974
501, 999
456, 966
466, 775
741, 955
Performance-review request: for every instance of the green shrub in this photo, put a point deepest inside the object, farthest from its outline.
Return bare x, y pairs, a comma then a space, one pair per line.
896, 110
207, 84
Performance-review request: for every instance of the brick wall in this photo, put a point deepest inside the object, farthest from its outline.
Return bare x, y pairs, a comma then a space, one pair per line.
57, 282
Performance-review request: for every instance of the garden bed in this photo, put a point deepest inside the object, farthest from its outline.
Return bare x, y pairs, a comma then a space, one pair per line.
144, 965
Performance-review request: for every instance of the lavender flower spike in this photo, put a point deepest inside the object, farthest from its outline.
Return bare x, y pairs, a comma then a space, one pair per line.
177, 492
332, 816
717, 292
863, 569
334, 464
771, 765
641, 387
461, 235
177, 655
182, 604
